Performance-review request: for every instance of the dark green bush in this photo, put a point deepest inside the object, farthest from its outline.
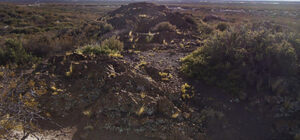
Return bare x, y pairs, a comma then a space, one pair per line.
190, 20
245, 58
203, 28
13, 52
107, 28
222, 26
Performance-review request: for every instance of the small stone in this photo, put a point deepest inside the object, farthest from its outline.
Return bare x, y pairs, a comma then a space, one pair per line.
243, 95
140, 88
186, 115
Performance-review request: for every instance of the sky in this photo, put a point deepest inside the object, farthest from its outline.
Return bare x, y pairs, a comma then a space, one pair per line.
166, 0
196, 0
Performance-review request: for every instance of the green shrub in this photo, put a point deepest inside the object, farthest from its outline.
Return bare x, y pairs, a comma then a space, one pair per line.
96, 49
113, 43
241, 59
13, 52
222, 26
164, 26
204, 29
108, 46
107, 28
37, 19
40, 45
294, 39
190, 20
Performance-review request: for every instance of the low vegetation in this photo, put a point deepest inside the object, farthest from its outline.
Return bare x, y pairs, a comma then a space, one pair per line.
222, 26
164, 26
57, 65
205, 30
108, 46
246, 58
14, 53
45, 31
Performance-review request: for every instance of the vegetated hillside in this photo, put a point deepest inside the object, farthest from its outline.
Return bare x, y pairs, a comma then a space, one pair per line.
155, 74
50, 29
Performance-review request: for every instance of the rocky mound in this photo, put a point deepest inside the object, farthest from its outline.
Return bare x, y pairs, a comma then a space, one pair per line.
142, 17
149, 23
97, 94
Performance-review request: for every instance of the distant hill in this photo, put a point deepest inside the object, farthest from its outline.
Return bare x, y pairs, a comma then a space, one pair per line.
185, 1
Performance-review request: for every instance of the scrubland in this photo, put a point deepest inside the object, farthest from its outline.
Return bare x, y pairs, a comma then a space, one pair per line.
149, 71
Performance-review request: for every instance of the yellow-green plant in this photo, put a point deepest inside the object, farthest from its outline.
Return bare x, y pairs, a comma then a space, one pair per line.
111, 46
165, 76
187, 91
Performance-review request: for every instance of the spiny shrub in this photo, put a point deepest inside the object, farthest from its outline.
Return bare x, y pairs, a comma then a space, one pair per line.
13, 52
108, 46
245, 58
164, 26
